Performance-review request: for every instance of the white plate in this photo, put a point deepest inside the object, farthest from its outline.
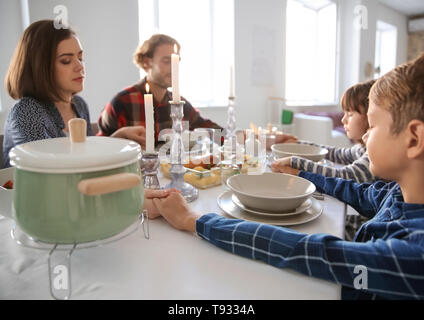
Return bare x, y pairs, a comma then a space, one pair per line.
6, 174
303, 207
227, 205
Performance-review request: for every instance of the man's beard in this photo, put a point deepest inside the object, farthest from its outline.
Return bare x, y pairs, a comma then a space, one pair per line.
159, 81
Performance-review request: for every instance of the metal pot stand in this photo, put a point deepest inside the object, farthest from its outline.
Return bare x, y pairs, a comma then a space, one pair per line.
60, 268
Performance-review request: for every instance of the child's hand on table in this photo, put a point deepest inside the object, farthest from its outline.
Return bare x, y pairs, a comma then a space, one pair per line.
283, 166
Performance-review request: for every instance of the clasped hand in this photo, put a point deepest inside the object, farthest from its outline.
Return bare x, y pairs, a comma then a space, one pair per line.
135, 133
171, 205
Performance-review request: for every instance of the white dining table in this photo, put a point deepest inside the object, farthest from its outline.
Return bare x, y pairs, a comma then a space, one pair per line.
170, 265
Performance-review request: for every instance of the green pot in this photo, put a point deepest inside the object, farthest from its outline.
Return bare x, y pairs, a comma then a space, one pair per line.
50, 208
72, 192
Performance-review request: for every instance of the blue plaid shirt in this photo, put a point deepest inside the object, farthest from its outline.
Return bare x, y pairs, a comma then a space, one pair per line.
389, 247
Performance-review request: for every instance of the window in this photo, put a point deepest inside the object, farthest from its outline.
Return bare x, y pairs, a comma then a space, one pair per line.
385, 48
311, 40
205, 30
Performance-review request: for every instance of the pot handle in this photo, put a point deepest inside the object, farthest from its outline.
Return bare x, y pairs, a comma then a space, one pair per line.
108, 184
77, 130
6, 199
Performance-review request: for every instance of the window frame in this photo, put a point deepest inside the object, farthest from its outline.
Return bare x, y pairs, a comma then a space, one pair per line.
212, 103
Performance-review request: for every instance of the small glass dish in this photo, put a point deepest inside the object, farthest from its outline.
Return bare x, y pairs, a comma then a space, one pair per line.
203, 178
198, 177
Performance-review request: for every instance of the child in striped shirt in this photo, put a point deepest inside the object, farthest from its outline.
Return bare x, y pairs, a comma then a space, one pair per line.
354, 159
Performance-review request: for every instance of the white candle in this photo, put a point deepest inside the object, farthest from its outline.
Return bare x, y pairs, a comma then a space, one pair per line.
149, 121
231, 82
175, 61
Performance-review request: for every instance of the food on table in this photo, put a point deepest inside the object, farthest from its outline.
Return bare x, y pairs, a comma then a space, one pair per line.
197, 176
254, 128
8, 184
248, 163
206, 162
203, 178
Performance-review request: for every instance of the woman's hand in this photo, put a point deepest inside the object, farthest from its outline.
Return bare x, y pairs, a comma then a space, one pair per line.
149, 195
283, 166
177, 212
136, 133
285, 138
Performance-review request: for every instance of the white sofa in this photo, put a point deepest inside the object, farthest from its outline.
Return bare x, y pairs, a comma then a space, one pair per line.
318, 129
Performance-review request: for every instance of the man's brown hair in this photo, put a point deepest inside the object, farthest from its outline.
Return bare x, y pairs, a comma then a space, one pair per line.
147, 49
356, 97
32, 68
401, 92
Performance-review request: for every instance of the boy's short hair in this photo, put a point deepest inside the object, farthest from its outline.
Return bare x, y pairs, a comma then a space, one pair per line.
356, 97
147, 49
32, 69
401, 92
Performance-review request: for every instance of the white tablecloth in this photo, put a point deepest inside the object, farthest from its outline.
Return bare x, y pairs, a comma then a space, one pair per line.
170, 265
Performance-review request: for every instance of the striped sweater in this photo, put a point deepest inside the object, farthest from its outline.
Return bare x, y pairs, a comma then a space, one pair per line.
355, 160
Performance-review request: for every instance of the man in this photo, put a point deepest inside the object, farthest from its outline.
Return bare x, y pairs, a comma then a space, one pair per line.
127, 107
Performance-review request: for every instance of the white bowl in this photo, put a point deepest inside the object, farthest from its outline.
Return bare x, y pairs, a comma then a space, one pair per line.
6, 175
271, 192
314, 153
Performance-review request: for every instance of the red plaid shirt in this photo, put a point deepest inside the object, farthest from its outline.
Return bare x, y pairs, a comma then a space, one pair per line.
127, 109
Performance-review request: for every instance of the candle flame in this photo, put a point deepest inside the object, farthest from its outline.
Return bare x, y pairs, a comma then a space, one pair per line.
147, 88
175, 48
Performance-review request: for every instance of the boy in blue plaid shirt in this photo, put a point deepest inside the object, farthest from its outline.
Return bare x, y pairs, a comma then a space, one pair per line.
390, 246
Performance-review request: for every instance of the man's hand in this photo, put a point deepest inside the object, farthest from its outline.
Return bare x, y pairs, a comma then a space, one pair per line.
177, 212
136, 133
283, 166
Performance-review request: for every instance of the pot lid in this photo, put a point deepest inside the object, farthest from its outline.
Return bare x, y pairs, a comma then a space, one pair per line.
60, 155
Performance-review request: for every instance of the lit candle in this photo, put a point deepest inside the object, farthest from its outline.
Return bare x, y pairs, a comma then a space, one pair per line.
175, 60
231, 82
149, 121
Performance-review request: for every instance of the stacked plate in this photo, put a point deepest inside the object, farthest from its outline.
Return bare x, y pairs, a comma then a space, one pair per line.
271, 198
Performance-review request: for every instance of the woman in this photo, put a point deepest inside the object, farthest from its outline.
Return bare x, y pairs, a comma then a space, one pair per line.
45, 74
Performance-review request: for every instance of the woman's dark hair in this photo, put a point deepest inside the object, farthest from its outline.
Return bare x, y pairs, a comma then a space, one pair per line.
32, 68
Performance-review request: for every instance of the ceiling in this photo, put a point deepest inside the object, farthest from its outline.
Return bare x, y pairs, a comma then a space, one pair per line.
407, 7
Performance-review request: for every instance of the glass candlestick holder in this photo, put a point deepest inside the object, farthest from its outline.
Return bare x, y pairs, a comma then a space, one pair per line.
177, 155
232, 150
149, 164
231, 119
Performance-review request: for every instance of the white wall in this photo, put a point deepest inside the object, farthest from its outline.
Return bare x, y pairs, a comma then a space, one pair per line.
356, 48
349, 46
378, 11
10, 31
400, 21
256, 24
108, 30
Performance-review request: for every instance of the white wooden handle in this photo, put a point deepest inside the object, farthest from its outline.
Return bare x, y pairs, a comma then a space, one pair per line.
108, 184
